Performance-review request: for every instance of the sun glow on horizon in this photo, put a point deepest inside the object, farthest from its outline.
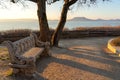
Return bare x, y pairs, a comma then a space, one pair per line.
18, 10
29, 11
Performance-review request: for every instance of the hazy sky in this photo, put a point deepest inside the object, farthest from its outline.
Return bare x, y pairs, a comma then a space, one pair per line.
104, 10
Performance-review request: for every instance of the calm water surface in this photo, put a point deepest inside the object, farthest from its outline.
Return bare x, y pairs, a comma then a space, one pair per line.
34, 25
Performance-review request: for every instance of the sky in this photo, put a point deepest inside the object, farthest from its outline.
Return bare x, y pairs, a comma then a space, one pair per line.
28, 10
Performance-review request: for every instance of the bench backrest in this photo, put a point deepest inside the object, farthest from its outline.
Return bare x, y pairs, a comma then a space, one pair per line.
17, 48
24, 44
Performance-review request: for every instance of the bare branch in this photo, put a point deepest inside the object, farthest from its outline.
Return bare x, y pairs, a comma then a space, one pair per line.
12, 1
34, 1
72, 2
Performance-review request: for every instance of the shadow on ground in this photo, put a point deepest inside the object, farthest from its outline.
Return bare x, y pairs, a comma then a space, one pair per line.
87, 61
78, 59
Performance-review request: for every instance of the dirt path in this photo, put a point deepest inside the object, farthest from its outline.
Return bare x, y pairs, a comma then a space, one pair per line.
79, 59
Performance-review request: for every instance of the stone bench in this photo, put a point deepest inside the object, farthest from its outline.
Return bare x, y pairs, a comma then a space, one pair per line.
24, 53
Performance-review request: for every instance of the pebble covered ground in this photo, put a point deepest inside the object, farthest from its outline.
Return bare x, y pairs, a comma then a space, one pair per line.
76, 59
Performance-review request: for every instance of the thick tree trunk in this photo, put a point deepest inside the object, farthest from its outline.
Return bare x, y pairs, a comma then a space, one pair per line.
44, 28
56, 35
58, 31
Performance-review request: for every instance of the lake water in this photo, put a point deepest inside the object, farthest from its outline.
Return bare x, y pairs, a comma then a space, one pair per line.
34, 25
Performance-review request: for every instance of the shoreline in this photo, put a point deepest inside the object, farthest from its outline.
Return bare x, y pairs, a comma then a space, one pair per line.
76, 28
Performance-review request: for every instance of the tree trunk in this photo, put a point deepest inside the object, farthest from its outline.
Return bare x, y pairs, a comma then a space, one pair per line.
44, 28
58, 31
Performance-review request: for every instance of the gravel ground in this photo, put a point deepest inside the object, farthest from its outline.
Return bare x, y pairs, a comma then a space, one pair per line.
77, 59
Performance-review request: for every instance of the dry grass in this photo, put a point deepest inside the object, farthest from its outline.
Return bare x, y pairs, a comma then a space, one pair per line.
4, 54
4, 61
19, 32
101, 28
27, 31
78, 32
14, 35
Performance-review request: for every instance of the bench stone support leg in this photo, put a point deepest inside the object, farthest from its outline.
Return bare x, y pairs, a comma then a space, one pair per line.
46, 51
28, 69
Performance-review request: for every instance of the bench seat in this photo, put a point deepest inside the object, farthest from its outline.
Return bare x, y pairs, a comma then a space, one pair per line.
33, 52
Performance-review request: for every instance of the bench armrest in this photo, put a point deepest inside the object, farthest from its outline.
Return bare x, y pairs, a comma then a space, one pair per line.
38, 42
42, 44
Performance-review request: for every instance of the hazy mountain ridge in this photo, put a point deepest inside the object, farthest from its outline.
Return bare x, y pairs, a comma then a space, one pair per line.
73, 19
87, 19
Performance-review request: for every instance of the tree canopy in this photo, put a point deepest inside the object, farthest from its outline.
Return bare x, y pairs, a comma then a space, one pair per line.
52, 1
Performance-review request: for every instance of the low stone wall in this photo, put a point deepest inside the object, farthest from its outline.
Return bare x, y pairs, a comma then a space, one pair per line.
113, 49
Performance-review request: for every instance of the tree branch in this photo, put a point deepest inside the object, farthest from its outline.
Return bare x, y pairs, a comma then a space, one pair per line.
34, 1
12, 1
72, 2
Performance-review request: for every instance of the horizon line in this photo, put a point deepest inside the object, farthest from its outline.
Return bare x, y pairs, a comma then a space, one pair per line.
55, 19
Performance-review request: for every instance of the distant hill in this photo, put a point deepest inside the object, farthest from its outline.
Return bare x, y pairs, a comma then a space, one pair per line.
80, 19
86, 19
